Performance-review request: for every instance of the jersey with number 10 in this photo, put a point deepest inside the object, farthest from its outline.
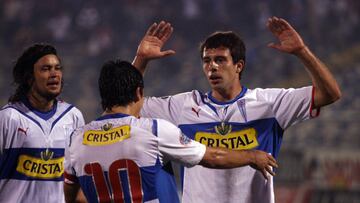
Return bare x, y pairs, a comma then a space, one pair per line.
255, 119
119, 157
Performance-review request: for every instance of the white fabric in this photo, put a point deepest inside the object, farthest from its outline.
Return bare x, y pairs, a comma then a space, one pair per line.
255, 119
148, 143
24, 133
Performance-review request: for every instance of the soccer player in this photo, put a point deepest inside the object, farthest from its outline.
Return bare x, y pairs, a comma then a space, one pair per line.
117, 157
33, 127
233, 116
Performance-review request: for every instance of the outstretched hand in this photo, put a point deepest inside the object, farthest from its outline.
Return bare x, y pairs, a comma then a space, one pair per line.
289, 40
264, 162
154, 40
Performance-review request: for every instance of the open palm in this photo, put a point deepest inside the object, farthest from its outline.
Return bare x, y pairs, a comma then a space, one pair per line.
289, 40
154, 40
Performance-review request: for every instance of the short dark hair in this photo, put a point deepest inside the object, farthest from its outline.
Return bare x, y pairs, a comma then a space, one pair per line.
23, 70
227, 39
118, 82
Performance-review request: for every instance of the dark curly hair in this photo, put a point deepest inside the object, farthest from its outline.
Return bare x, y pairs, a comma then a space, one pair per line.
229, 40
118, 82
23, 70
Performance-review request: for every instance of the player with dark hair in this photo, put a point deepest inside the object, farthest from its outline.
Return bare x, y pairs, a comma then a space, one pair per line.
233, 116
117, 157
33, 126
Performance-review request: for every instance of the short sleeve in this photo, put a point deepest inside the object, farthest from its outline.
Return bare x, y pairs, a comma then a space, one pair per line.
168, 108
290, 106
79, 118
177, 147
9, 129
69, 172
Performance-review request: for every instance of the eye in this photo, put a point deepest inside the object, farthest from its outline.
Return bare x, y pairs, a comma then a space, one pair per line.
220, 60
45, 68
206, 60
58, 67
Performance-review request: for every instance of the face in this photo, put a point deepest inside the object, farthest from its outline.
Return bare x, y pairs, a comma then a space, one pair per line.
47, 77
221, 72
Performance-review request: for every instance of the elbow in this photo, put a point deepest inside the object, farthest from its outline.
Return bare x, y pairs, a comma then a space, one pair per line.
323, 98
338, 95
335, 95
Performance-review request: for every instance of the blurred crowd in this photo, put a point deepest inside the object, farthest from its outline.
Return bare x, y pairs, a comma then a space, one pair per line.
89, 32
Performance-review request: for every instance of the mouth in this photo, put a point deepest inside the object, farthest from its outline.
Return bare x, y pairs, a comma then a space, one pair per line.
214, 79
53, 84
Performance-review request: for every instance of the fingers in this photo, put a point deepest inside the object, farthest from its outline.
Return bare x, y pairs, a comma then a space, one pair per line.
168, 52
277, 25
272, 161
151, 29
163, 30
269, 170
263, 171
167, 33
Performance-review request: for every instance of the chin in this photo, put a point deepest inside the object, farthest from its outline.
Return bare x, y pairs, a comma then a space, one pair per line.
51, 95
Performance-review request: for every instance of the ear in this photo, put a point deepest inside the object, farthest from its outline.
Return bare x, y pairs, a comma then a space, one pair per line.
239, 66
139, 93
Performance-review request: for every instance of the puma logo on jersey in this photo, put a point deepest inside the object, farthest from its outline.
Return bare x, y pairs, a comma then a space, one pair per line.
23, 131
196, 111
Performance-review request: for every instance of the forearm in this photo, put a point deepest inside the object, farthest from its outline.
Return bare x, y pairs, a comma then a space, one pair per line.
224, 158
327, 90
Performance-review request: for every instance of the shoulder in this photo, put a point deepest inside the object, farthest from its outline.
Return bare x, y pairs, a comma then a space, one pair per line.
67, 107
178, 96
165, 126
263, 93
270, 94
11, 111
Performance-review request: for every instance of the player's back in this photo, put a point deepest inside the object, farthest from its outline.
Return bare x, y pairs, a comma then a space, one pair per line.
116, 157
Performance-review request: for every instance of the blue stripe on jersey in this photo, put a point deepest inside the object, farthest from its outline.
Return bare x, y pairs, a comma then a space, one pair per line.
242, 93
155, 128
43, 115
148, 177
165, 180
207, 103
62, 115
9, 160
268, 132
29, 117
111, 116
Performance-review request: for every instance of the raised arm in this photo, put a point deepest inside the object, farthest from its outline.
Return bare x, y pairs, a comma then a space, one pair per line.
224, 158
151, 45
327, 90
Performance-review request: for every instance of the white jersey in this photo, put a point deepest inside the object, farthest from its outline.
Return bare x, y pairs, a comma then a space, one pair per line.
119, 156
255, 119
32, 151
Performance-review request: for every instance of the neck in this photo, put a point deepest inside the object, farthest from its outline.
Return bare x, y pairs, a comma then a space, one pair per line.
40, 103
224, 95
129, 110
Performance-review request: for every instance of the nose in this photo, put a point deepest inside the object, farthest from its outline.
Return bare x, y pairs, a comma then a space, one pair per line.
213, 66
54, 72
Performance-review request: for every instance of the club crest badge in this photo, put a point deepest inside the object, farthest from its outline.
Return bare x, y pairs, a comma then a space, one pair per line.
223, 129
46, 155
107, 126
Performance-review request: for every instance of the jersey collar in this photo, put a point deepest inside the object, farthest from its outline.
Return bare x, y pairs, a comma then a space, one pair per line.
212, 99
111, 116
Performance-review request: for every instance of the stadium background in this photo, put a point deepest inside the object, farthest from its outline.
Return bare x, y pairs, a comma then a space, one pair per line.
319, 159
